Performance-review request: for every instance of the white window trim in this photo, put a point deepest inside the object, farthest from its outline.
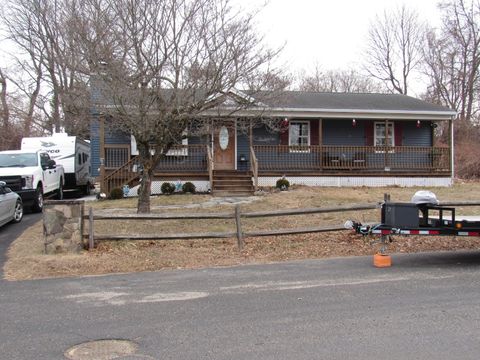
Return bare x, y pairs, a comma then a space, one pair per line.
392, 135
180, 152
290, 145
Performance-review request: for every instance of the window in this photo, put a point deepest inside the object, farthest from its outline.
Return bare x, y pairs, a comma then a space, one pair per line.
180, 149
176, 150
383, 138
44, 158
299, 136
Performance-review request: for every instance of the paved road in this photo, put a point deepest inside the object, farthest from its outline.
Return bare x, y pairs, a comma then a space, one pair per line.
425, 307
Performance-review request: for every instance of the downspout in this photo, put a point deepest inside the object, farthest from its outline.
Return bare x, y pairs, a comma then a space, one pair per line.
452, 146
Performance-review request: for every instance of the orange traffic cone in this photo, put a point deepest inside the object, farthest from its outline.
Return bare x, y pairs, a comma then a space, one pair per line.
382, 260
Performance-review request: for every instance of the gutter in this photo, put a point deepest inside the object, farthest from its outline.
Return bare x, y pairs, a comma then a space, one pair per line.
334, 113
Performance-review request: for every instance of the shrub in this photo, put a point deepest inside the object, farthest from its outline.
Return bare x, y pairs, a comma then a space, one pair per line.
282, 184
168, 188
188, 187
116, 193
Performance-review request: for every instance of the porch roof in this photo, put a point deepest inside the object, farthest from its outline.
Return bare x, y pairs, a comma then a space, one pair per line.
345, 105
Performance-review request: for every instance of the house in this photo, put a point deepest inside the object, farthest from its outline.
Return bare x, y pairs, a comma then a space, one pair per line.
325, 139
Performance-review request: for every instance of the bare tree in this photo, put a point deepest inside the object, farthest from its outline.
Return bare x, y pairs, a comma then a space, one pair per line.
44, 35
338, 81
174, 60
395, 43
5, 110
452, 58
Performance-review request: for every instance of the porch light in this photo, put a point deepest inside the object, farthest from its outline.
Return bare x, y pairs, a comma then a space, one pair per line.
285, 122
354, 122
418, 123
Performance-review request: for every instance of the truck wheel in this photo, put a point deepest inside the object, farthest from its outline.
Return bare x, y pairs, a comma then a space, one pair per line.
59, 194
38, 201
87, 189
18, 214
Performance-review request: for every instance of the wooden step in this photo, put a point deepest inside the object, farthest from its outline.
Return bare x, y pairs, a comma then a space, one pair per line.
232, 183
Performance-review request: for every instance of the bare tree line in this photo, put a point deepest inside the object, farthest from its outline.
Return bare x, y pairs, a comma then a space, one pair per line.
173, 58
55, 42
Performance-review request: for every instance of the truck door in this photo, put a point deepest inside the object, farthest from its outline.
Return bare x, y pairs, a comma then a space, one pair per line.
49, 175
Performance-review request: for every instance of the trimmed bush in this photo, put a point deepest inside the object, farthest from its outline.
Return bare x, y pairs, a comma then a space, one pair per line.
168, 188
116, 193
282, 184
188, 187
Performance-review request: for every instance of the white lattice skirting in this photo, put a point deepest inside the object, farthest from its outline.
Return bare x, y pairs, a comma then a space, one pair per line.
204, 186
360, 181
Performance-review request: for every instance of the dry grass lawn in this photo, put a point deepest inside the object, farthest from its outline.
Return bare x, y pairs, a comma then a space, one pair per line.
26, 259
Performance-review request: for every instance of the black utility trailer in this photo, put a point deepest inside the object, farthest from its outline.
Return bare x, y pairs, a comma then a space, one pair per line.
420, 219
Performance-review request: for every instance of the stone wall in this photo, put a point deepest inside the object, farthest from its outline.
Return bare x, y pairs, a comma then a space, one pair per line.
63, 226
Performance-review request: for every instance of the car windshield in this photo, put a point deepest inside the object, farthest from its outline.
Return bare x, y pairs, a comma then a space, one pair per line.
18, 160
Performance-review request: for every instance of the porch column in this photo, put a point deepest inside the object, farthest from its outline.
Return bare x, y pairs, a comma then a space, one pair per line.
320, 142
451, 145
103, 186
250, 133
385, 158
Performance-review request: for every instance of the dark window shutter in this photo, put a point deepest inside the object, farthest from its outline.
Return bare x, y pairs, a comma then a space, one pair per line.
314, 132
369, 133
398, 133
284, 137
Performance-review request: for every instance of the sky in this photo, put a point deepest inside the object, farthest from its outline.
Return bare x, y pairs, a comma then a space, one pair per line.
331, 34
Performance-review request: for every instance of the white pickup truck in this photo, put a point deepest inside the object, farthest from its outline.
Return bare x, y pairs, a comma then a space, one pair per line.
33, 175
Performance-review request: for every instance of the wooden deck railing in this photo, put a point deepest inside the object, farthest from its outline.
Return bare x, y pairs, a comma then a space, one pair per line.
365, 158
180, 159
184, 159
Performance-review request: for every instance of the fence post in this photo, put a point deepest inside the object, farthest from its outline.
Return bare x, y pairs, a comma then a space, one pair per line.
239, 227
91, 242
386, 197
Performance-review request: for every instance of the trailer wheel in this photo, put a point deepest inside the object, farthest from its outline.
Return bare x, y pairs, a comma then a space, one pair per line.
38, 201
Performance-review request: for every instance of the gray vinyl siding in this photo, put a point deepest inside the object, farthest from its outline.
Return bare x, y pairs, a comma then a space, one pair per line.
413, 136
341, 132
94, 146
243, 148
116, 137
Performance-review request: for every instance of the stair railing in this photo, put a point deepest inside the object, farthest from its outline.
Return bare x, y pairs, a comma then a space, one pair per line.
254, 167
121, 176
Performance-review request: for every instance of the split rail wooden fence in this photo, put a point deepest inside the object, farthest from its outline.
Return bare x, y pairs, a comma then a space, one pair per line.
237, 215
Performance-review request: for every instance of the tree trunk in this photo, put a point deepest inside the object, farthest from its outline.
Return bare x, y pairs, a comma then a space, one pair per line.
144, 191
143, 205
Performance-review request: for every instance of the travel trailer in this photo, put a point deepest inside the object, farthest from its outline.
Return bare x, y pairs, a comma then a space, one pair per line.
71, 152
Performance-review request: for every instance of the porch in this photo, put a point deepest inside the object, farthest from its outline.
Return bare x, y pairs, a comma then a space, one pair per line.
197, 162
372, 160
